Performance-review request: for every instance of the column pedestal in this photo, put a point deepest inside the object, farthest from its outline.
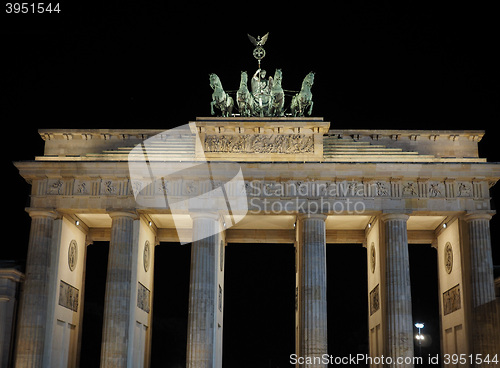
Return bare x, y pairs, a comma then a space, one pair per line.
32, 325
399, 321
485, 323
312, 313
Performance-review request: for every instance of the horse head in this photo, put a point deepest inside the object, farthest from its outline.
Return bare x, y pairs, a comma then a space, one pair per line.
308, 80
278, 76
215, 81
244, 78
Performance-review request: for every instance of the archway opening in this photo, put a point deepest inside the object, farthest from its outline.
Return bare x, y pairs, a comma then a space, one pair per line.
259, 310
170, 305
347, 300
424, 297
93, 306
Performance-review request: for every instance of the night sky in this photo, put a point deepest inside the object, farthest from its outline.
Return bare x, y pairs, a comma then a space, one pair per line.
145, 64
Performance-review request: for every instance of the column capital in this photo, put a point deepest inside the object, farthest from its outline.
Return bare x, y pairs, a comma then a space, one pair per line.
314, 216
123, 213
394, 216
204, 214
479, 215
42, 212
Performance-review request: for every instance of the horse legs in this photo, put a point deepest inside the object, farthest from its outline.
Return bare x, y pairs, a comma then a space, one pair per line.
293, 106
230, 105
311, 108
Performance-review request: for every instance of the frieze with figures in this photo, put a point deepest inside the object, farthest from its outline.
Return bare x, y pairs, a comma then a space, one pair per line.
267, 188
259, 143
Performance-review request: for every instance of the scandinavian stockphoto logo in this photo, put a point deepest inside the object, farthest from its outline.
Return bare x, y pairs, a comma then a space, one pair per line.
164, 176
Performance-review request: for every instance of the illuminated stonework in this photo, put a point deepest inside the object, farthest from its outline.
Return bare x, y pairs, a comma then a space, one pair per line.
278, 180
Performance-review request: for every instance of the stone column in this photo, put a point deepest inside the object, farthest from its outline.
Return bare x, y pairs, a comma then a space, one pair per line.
117, 302
486, 329
32, 325
201, 345
10, 284
399, 321
312, 323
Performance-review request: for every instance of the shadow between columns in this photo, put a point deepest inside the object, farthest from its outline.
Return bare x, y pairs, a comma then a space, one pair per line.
170, 305
347, 299
93, 307
259, 310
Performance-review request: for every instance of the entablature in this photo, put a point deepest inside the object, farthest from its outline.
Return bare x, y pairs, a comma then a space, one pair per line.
100, 185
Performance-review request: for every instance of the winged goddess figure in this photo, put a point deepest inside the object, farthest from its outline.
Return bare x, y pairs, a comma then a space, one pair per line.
259, 53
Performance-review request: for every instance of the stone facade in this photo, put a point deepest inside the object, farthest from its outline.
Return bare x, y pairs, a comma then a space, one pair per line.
276, 180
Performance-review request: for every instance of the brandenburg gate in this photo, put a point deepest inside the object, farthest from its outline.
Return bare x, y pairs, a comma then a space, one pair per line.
253, 179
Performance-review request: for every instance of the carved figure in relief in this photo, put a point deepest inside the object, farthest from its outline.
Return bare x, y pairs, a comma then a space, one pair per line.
259, 143
72, 255
381, 189
464, 190
451, 300
410, 189
324, 189
55, 188
374, 300
373, 259
352, 189
190, 187
448, 257
434, 190
82, 188
146, 256
163, 187
109, 188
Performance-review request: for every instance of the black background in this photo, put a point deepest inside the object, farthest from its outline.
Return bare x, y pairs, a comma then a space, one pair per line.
145, 64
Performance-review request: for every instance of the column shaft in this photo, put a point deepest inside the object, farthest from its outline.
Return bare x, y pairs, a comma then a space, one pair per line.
486, 329
202, 293
32, 323
398, 289
312, 288
117, 308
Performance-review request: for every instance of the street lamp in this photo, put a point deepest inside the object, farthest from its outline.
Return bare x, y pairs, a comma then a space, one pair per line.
419, 337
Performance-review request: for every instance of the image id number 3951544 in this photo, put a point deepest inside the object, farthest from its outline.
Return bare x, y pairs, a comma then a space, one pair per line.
462, 359
32, 8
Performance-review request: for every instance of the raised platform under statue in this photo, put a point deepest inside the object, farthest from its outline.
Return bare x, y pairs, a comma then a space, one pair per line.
251, 139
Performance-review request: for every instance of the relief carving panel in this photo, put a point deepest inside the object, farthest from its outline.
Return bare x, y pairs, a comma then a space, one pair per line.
374, 300
451, 300
259, 143
143, 298
68, 296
